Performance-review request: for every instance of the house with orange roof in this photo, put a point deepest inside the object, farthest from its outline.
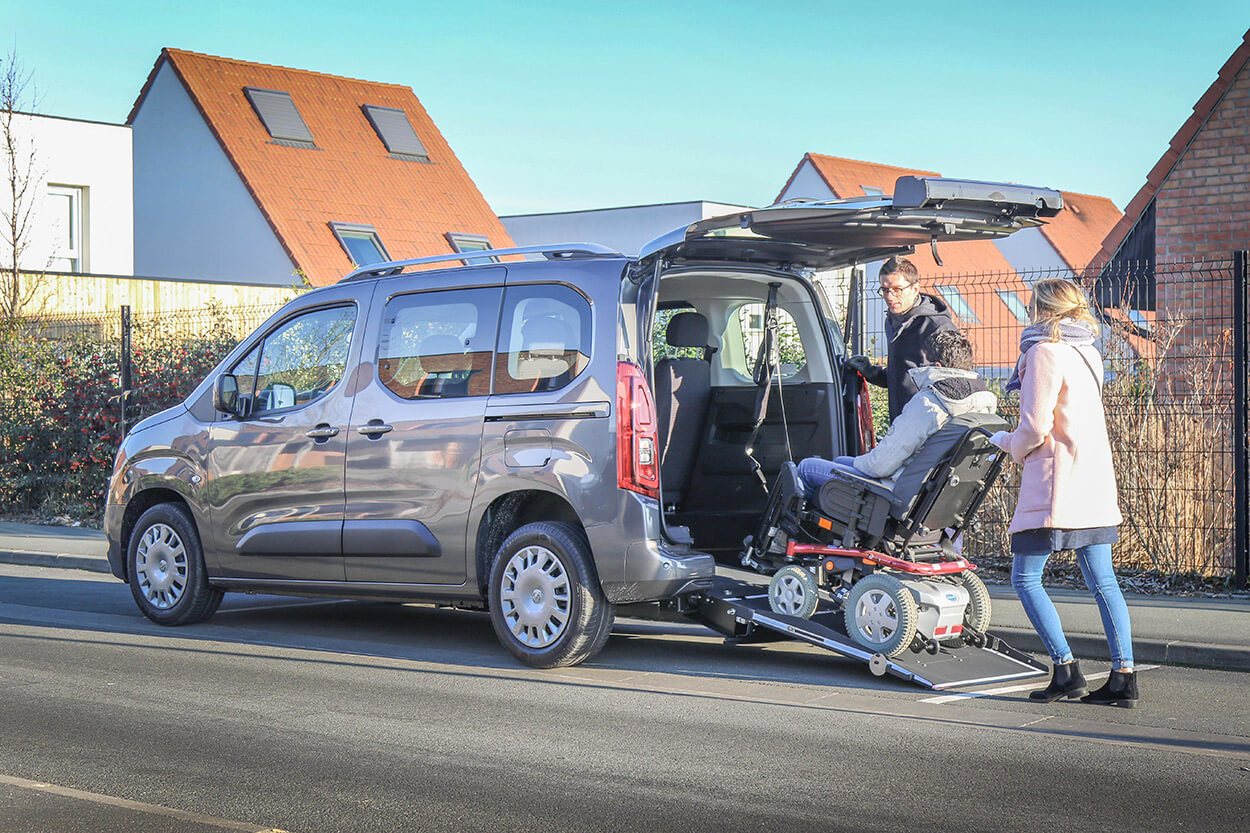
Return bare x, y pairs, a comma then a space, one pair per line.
258, 173
980, 280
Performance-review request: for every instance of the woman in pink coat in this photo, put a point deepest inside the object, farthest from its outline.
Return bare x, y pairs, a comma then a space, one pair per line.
1067, 488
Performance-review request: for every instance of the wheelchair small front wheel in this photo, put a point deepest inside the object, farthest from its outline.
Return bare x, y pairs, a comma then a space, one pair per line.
793, 592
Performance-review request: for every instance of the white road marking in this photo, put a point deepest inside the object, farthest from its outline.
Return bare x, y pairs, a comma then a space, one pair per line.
972, 695
137, 806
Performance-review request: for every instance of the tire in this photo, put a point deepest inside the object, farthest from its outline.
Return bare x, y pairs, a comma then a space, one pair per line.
546, 604
881, 614
793, 592
165, 563
980, 608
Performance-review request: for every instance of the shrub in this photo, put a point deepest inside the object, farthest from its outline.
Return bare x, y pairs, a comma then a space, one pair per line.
61, 395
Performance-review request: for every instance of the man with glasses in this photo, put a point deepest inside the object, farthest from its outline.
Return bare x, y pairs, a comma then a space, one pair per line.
911, 318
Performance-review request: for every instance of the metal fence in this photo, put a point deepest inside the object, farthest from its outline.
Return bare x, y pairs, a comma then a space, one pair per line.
1174, 367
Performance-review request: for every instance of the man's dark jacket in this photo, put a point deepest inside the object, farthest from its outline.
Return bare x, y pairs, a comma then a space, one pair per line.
907, 335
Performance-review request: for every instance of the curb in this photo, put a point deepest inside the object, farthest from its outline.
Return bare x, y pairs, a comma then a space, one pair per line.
1157, 651
1084, 646
90, 563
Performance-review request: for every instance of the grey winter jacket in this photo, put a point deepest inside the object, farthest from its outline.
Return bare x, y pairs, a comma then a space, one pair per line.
944, 392
907, 336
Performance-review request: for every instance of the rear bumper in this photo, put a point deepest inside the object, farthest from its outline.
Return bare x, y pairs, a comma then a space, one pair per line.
653, 572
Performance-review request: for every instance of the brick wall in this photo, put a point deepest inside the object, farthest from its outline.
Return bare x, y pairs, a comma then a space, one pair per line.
1203, 213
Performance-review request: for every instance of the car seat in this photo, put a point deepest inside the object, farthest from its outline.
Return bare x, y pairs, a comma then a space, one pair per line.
549, 355
683, 389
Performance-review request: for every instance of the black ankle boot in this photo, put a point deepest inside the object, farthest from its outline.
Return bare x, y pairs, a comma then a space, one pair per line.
1065, 681
1120, 689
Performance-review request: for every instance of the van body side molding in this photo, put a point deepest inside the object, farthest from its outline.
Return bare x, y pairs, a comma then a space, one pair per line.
293, 538
399, 539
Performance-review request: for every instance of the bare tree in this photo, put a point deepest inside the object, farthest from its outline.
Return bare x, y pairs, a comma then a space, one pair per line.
22, 178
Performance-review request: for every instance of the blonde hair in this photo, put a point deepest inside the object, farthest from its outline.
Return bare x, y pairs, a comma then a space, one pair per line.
1055, 300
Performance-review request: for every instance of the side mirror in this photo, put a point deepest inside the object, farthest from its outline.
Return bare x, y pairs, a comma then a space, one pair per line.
226, 394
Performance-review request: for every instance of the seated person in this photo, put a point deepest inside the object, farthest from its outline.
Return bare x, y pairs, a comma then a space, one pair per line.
946, 388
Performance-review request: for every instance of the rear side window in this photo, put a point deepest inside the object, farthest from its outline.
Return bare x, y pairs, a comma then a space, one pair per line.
544, 339
789, 346
304, 357
437, 345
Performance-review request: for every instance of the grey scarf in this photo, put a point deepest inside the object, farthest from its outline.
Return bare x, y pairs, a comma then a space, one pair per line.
1070, 332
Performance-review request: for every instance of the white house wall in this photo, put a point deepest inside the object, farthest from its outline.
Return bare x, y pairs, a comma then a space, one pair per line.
90, 156
193, 216
1028, 250
807, 184
624, 229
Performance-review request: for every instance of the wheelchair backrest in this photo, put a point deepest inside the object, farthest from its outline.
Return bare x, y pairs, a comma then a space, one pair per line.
949, 474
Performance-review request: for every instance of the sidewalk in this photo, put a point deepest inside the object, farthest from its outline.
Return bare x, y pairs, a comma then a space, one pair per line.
1183, 630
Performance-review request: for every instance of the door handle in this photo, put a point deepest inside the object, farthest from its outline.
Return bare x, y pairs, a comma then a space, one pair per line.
321, 432
374, 429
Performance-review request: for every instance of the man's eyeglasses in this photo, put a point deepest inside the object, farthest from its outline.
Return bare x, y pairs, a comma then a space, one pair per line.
894, 290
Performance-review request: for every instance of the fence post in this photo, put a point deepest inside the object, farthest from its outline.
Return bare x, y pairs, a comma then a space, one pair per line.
125, 367
1241, 444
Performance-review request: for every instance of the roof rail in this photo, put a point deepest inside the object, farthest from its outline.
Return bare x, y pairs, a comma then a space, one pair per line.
562, 251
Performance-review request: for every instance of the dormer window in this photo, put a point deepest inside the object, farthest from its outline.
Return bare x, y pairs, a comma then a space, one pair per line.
471, 243
362, 243
281, 118
395, 131
958, 305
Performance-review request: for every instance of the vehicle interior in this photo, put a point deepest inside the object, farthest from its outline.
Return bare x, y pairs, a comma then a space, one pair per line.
706, 338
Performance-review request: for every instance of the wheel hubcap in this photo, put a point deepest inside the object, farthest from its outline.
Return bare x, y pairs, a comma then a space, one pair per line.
535, 597
876, 617
161, 566
790, 595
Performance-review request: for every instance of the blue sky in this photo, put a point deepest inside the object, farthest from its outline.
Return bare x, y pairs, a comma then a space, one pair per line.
558, 105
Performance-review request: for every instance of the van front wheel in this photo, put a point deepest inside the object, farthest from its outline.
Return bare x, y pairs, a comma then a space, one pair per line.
546, 604
165, 565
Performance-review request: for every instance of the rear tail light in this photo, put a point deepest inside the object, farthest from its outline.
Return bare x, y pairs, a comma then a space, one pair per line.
637, 445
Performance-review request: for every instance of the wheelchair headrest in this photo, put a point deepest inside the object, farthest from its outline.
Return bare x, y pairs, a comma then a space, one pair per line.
687, 329
936, 451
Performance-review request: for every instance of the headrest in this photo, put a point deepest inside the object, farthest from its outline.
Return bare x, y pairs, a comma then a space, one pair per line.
687, 329
546, 335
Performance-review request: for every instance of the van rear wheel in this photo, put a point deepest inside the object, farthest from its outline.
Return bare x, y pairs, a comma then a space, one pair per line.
546, 604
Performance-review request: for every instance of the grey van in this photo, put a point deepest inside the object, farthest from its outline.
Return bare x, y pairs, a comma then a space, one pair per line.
544, 439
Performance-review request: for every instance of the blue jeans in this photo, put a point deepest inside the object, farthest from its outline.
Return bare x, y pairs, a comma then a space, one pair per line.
814, 471
1095, 563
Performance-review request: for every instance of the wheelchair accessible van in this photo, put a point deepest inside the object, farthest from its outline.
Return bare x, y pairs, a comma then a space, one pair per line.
874, 573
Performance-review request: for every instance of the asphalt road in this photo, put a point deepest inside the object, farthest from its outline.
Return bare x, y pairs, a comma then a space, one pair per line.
312, 716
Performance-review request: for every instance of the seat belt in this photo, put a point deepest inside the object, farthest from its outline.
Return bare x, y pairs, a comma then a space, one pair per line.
763, 379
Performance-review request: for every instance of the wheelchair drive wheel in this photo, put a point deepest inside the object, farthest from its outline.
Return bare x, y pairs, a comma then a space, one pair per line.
793, 592
881, 614
977, 615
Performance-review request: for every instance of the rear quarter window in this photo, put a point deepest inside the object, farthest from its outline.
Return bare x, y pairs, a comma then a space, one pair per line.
544, 339
750, 320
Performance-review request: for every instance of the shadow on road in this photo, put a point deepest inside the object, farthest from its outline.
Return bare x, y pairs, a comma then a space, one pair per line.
428, 634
